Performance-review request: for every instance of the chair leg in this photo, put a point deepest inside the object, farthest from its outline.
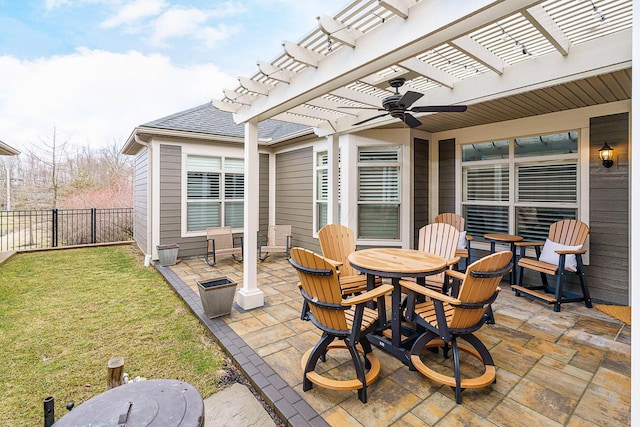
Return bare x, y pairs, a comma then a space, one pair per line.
583, 282
360, 372
318, 351
456, 368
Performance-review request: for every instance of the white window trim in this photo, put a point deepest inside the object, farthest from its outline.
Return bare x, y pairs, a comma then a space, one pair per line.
208, 151
582, 160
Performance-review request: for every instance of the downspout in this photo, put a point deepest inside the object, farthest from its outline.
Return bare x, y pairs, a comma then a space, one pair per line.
149, 248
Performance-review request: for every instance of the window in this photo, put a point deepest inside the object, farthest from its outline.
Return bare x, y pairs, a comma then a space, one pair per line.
379, 192
215, 192
520, 185
322, 189
321, 197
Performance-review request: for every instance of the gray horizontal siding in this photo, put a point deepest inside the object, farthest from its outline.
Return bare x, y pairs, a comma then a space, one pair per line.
141, 200
294, 195
608, 270
420, 186
264, 192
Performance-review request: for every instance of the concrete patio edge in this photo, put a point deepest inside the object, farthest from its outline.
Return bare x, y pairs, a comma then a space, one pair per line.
288, 404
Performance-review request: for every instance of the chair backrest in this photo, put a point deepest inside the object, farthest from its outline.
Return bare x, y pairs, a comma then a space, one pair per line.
319, 280
570, 232
277, 235
223, 237
451, 218
439, 239
337, 242
479, 289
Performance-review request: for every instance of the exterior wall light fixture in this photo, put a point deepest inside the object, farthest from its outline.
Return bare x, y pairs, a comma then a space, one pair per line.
606, 155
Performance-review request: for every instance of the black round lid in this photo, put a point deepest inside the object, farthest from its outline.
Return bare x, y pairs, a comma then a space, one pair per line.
165, 403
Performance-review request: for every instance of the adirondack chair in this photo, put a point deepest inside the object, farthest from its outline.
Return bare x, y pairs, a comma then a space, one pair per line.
561, 254
464, 245
439, 239
278, 241
220, 241
446, 319
348, 320
337, 242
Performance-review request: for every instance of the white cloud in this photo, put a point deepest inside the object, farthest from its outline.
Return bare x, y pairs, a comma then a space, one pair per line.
134, 11
177, 22
93, 97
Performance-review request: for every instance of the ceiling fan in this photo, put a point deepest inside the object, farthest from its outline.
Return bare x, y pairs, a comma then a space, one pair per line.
397, 105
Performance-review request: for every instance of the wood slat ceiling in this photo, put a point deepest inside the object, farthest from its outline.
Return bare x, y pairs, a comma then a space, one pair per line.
576, 94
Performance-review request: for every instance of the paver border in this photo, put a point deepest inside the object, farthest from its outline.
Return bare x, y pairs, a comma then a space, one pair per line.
288, 404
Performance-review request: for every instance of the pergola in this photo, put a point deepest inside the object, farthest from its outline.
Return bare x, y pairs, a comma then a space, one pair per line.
504, 59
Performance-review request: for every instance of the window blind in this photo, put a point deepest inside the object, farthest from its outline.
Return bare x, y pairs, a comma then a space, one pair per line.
547, 183
486, 183
203, 215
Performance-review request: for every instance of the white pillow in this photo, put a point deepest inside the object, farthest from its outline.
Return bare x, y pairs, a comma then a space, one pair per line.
462, 242
550, 256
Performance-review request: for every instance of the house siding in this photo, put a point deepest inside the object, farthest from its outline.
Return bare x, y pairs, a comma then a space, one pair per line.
294, 195
264, 193
608, 270
420, 186
169, 191
141, 200
447, 176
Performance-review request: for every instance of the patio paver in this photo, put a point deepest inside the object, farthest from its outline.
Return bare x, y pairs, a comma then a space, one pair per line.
567, 368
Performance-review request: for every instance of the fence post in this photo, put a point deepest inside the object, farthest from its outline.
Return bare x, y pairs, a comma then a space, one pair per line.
93, 225
54, 228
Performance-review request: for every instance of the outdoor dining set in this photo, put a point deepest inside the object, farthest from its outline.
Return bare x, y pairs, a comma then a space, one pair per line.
433, 304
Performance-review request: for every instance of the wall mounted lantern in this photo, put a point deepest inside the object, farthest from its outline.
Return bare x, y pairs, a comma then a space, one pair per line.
606, 155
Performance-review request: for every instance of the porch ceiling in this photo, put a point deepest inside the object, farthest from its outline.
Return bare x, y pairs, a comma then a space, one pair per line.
504, 59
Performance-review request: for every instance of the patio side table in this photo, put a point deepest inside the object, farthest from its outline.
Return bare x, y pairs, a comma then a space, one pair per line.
506, 238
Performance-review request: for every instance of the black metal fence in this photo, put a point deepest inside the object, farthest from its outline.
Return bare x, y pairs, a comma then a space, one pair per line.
64, 227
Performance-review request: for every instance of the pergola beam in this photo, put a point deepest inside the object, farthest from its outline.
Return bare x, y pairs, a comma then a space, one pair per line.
540, 19
398, 7
338, 30
479, 53
378, 50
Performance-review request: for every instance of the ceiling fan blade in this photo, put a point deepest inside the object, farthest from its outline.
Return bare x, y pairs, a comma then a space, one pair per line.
411, 121
365, 108
369, 119
409, 98
440, 109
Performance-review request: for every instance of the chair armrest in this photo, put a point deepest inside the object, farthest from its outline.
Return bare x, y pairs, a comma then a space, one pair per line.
455, 274
453, 261
520, 244
241, 238
429, 293
333, 262
469, 238
368, 296
571, 252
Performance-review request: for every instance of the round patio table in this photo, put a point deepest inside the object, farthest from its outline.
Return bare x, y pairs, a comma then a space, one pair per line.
161, 403
396, 263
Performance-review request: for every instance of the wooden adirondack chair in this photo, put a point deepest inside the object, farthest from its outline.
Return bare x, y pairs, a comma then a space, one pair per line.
220, 241
439, 239
278, 240
561, 254
464, 248
348, 320
446, 319
337, 242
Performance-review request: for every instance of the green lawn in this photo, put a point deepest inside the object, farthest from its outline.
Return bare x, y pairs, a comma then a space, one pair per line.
65, 313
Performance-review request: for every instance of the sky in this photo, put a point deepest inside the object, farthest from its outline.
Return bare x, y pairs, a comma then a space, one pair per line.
93, 70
